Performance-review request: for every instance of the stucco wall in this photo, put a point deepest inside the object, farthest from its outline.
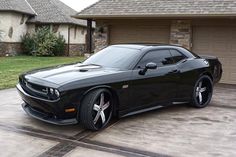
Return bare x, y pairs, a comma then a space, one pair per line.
13, 26
77, 34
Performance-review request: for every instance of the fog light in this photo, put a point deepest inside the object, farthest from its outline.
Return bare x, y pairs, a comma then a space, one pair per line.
70, 110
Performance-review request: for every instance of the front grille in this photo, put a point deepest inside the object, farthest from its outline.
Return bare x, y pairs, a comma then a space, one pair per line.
37, 88
34, 89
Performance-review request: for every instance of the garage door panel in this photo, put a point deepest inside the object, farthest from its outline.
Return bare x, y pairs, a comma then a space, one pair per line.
233, 46
220, 42
220, 46
233, 77
139, 34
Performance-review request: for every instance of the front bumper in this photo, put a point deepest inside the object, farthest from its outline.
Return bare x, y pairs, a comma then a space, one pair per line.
46, 110
47, 118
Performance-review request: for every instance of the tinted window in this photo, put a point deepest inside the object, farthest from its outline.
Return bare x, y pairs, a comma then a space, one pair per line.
160, 57
114, 57
176, 55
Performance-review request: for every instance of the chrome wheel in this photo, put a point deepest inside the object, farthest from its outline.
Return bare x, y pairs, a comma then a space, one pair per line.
203, 92
102, 110
200, 92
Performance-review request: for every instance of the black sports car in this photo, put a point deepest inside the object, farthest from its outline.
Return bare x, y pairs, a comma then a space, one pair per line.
120, 80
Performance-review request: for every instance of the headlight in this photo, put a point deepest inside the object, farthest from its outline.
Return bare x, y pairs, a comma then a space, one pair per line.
54, 92
57, 93
51, 91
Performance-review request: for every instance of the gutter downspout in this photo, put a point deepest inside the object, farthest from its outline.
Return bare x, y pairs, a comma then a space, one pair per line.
89, 35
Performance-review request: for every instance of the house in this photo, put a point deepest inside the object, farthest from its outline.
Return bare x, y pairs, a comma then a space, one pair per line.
203, 26
18, 17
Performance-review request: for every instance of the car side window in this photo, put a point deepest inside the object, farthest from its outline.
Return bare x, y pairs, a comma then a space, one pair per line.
160, 57
176, 56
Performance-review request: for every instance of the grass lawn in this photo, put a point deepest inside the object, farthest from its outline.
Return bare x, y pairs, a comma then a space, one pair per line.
11, 67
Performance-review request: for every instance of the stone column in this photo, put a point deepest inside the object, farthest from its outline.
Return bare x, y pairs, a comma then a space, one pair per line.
181, 33
101, 37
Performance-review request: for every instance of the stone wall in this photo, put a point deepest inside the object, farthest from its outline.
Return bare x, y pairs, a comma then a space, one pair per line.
181, 33
10, 49
76, 49
101, 37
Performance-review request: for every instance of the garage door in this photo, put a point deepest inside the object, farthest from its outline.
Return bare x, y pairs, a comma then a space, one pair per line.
220, 42
139, 33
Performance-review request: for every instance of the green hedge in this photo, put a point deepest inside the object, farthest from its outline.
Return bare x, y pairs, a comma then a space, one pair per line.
43, 43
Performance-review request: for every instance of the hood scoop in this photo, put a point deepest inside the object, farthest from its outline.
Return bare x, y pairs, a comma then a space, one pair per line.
83, 70
87, 68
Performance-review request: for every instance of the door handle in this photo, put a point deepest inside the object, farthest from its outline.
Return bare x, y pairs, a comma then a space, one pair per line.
174, 71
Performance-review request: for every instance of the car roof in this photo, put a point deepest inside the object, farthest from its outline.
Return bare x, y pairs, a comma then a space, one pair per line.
146, 45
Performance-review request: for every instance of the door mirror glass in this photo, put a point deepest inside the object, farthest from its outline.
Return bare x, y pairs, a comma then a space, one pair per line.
150, 65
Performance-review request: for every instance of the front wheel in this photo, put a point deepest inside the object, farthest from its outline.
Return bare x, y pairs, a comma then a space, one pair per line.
96, 109
202, 93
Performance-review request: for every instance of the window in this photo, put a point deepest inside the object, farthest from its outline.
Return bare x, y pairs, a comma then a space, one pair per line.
160, 57
176, 55
55, 28
114, 57
38, 26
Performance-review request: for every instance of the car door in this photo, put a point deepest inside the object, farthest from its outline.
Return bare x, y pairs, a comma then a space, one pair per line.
155, 87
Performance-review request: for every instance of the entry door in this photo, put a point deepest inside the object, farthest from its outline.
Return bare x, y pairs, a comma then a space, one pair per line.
156, 87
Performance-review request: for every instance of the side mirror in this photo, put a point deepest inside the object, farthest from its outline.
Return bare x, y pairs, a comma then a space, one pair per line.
150, 65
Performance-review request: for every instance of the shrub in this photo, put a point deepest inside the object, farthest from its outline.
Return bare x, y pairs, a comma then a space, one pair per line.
28, 44
43, 43
60, 46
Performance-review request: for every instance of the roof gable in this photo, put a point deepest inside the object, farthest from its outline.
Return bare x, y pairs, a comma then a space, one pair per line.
43, 11
16, 5
136, 8
53, 11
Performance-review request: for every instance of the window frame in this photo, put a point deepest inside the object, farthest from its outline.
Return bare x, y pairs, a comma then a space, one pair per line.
136, 65
180, 53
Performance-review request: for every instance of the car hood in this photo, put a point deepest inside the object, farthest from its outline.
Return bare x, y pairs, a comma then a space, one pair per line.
61, 75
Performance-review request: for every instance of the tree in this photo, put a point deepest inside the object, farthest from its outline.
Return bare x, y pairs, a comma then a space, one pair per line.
43, 43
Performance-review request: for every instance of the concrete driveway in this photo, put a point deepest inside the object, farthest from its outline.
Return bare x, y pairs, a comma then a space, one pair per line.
173, 131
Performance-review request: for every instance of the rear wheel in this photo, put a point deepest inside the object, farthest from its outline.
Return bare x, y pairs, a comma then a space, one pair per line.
96, 109
202, 93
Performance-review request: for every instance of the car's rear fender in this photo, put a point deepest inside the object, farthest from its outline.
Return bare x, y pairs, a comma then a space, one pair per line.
215, 66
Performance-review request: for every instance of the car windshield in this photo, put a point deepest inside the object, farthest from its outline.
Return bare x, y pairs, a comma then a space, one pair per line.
114, 57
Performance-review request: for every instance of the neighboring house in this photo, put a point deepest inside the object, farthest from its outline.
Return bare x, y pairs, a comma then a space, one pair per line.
18, 17
203, 26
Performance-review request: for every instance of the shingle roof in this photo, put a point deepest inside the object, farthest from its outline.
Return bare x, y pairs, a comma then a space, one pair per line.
136, 8
45, 11
53, 11
16, 5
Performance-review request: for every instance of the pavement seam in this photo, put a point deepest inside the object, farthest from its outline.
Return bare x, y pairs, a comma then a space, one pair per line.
70, 144
59, 150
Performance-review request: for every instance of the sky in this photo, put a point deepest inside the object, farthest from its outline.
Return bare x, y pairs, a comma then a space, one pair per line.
78, 5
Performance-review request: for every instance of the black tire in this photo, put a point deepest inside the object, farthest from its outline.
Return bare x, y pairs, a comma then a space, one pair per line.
91, 108
202, 92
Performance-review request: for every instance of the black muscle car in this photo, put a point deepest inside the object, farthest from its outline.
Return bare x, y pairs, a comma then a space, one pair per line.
120, 80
